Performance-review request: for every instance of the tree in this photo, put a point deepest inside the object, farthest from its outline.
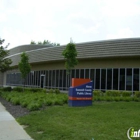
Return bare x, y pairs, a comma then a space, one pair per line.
45, 42
70, 54
32, 42
24, 66
4, 62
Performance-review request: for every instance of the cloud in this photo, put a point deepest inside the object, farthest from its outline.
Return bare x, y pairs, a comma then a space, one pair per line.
57, 21
120, 8
122, 33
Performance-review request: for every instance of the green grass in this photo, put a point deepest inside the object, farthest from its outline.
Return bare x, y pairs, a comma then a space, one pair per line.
102, 121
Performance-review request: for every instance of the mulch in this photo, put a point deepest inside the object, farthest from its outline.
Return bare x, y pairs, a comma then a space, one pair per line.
15, 110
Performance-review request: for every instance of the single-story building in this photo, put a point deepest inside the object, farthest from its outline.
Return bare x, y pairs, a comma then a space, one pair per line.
111, 64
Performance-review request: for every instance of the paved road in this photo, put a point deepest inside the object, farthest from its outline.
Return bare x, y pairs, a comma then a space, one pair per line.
9, 128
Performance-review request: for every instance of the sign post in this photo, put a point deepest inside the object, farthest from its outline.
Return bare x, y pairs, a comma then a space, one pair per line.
80, 93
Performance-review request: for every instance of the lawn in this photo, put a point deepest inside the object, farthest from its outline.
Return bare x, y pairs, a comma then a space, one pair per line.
102, 121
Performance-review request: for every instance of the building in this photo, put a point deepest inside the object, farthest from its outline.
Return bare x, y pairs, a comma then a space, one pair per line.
111, 64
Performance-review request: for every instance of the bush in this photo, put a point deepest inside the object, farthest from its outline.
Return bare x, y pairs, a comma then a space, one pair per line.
58, 102
7, 89
18, 89
57, 91
97, 93
136, 99
51, 91
114, 93
33, 106
126, 93
15, 100
127, 99
108, 98
24, 104
137, 94
117, 99
48, 102
34, 89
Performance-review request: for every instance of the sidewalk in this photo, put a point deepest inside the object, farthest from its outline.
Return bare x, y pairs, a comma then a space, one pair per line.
9, 128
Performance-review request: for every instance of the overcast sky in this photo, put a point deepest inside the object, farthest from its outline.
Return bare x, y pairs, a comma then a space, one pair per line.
59, 20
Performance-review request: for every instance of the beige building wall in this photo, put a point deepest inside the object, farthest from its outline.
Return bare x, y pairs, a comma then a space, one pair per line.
129, 62
92, 63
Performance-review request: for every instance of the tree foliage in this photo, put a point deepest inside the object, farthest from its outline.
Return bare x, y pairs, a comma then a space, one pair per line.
45, 42
24, 65
70, 54
4, 62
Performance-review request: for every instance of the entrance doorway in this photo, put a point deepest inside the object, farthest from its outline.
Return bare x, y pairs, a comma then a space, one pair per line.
42, 81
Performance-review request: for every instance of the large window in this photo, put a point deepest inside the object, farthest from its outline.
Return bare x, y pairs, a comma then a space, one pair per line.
82, 73
60, 79
129, 79
109, 79
77, 73
115, 79
122, 79
136, 79
87, 73
53, 79
46, 78
57, 78
73, 74
103, 78
65, 81
50, 78
97, 85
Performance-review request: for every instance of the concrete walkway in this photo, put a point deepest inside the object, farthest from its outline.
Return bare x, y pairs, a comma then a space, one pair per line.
9, 128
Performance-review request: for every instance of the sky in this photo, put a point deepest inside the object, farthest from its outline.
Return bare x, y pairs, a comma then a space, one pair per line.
59, 20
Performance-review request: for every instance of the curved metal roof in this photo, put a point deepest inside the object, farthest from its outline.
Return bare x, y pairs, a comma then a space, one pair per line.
96, 49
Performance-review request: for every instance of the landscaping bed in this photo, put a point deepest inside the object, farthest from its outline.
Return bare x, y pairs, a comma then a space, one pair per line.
15, 110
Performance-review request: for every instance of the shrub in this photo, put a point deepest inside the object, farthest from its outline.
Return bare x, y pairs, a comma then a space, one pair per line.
57, 91
33, 106
137, 94
24, 104
58, 102
48, 102
126, 93
15, 100
97, 93
7, 89
33, 89
51, 91
18, 89
136, 99
117, 99
8, 98
108, 98
114, 93
127, 99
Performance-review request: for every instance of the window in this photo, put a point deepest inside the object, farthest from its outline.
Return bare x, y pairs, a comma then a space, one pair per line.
129, 79
136, 79
115, 79
60, 79
64, 79
97, 86
122, 79
57, 78
103, 78
82, 73
87, 73
109, 79
77, 73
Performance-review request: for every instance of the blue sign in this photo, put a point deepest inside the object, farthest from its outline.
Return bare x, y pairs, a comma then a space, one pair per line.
81, 95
